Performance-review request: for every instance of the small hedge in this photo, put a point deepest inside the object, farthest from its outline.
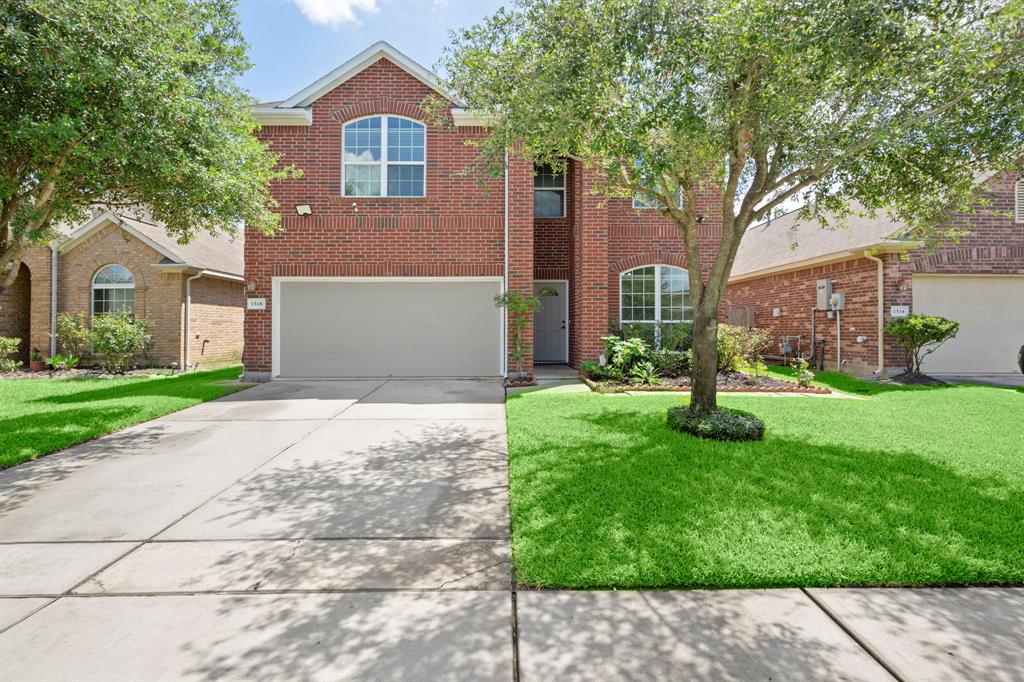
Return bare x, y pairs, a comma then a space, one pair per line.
722, 424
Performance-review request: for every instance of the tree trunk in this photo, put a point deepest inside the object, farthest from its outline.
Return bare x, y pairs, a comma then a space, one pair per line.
704, 371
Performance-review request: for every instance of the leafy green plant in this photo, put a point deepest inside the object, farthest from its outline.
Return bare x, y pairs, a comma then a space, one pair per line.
720, 424
920, 336
9, 346
677, 336
644, 373
625, 353
117, 338
59, 362
670, 363
740, 348
72, 334
802, 371
520, 309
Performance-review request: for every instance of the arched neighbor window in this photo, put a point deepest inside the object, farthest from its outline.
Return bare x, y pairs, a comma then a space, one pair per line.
113, 290
384, 156
655, 293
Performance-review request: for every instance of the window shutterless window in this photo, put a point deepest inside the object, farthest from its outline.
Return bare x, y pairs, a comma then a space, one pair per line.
384, 156
642, 201
548, 192
113, 290
655, 293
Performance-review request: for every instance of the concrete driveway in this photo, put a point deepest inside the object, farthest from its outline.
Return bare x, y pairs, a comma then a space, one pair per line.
343, 530
295, 530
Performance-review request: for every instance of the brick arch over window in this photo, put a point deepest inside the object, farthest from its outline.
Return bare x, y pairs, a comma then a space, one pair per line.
381, 106
647, 258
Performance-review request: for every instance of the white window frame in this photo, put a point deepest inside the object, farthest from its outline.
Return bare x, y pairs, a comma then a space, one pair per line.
120, 285
384, 162
640, 202
550, 189
1018, 201
657, 295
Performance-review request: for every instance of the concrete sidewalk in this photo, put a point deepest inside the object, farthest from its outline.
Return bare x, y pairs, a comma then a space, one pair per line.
338, 530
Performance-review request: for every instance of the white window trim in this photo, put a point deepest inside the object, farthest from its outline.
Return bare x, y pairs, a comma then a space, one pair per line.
118, 285
1018, 202
383, 163
645, 207
657, 295
552, 189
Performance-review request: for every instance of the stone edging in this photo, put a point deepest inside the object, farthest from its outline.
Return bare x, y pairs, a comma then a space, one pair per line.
817, 390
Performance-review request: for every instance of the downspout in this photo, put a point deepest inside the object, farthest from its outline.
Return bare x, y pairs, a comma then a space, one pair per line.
53, 300
881, 313
504, 282
188, 307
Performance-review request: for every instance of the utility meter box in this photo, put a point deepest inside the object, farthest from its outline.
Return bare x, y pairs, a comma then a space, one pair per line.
837, 301
824, 294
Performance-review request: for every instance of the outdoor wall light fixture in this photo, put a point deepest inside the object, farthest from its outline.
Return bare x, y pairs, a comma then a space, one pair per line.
303, 209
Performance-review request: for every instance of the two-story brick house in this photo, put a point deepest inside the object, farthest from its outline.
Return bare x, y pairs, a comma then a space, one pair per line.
391, 254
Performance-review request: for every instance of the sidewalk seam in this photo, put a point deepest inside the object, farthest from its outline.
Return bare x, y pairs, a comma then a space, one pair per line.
876, 655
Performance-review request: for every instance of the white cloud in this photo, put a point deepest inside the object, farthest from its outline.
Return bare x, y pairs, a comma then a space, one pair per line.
334, 13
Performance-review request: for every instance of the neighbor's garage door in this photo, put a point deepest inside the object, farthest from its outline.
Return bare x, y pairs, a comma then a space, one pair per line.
402, 329
991, 315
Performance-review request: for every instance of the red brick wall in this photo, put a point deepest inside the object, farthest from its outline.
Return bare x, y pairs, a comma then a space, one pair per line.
14, 312
215, 323
457, 229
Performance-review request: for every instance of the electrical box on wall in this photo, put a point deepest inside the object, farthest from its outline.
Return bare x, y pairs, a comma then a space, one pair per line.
837, 301
776, 312
824, 293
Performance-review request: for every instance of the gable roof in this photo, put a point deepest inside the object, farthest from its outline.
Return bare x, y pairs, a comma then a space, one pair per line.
221, 255
788, 243
331, 80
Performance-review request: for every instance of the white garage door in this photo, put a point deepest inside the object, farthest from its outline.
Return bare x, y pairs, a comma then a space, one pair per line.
437, 328
991, 315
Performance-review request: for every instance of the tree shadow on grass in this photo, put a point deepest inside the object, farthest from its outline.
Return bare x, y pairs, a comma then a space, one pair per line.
190, 385
672, 510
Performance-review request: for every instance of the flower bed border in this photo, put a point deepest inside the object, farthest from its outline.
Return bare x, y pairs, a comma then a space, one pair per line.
795, 388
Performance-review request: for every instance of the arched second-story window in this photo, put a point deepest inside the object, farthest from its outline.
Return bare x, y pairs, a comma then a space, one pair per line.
113, 290
655, 293
384, 156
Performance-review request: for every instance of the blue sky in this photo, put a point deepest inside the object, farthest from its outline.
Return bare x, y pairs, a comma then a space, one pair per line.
294, 42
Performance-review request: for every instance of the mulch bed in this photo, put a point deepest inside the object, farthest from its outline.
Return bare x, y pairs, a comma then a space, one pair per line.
922, 380
727, 383
25, 375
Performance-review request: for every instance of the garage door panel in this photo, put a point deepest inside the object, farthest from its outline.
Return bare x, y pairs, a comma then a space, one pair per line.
345, 329
991, 315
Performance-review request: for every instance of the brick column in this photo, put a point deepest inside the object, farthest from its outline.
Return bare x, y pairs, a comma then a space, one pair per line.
38, 262
588, 314
260, 252
520, 245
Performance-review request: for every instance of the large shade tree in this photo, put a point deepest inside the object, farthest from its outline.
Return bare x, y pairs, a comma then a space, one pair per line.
873, 104
125, 103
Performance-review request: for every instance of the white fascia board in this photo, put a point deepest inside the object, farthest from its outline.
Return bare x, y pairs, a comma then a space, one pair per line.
470, 117
280, 116
193, 270
312, 92
884, 246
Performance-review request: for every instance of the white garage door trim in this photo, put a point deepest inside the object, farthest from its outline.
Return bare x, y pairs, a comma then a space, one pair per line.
275, 309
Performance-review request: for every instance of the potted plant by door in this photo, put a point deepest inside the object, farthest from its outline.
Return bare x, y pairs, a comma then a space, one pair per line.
36, 362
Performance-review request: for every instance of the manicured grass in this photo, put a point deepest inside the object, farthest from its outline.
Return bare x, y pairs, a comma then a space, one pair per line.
43, 415
908, 485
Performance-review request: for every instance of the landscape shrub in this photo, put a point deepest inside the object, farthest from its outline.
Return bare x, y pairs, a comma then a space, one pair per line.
801, 369
670, 363
920, 336
9, 346
625, 353
720, 424
117, 338
59, 362
644, 373
740, 348
677, 336
72, 334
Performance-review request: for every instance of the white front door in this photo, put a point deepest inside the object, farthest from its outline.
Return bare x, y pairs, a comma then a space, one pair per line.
551, 322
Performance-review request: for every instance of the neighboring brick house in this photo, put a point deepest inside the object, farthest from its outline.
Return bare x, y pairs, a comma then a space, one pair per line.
391, 255
193, 293
979, 282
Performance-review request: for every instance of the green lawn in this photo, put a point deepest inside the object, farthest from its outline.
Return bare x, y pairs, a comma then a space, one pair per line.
43, 415
910, 485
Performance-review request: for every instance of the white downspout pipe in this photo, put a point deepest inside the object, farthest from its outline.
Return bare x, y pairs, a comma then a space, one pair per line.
839, 343
53, 300
504, 282
188, 312
881, 313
